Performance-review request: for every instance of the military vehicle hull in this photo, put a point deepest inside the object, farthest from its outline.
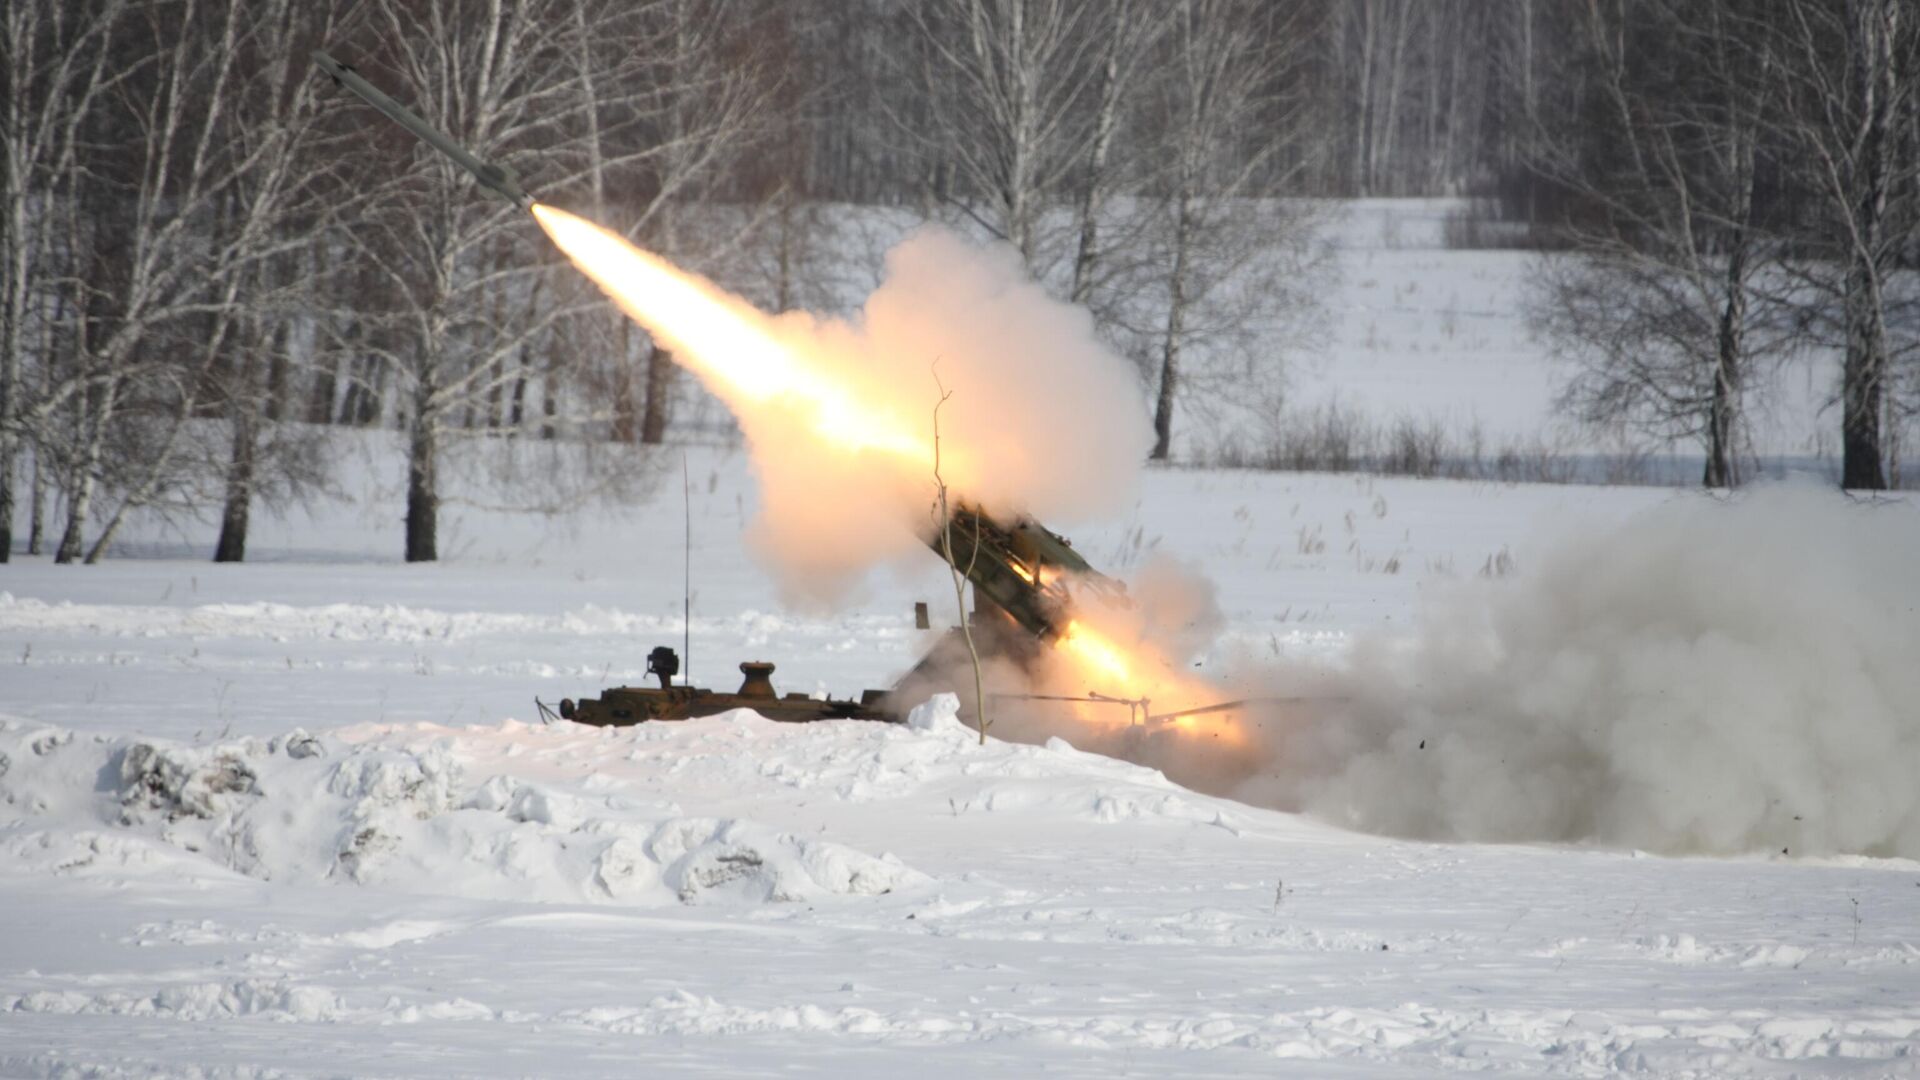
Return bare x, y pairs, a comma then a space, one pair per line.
623, 706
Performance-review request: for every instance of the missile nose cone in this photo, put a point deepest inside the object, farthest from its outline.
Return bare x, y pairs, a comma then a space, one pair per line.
332, 67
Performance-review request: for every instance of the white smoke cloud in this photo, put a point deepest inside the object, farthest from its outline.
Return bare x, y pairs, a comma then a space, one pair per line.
1708, 677
1035, 415
1042, 418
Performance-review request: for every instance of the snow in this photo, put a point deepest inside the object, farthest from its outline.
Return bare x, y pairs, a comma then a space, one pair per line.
300, 817
541, 900
1425, 332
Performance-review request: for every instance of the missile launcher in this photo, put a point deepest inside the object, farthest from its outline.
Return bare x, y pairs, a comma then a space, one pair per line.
1025, 570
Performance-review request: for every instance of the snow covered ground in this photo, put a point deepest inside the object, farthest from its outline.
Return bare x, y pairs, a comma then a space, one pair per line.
299, 817
433, 883
1433, 334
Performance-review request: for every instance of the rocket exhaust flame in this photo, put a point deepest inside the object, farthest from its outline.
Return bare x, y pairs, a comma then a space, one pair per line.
1098, 653
727, 341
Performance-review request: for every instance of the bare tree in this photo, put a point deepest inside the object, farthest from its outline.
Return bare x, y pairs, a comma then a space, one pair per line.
959, 576
1672, 288
1125, 43
275, 210
153, 280
1004, 83
633, 106
1224, 110
1851, 71
55, 76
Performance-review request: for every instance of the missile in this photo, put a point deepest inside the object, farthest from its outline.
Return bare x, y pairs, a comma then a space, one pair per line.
494, 178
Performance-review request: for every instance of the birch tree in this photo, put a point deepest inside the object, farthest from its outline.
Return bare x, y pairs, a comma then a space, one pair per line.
1672, 291
446, 259
55, 76
157, 280
1851, 72
1232, 261
630, 107
1005, 84
1126, 34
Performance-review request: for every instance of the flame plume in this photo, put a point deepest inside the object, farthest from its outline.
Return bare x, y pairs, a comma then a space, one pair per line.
728, 342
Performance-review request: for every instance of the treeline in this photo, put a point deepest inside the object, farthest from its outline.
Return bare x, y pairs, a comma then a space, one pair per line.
1732, 187
209, 253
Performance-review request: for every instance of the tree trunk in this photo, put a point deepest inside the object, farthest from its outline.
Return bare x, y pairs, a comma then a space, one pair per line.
660, 370
423, 493
350, 401
6, 495
1023, 125
85, 476
423, 489
626, 422
1729, 369
232, 545
518, 413
42, 469
279, 369
1863, 374
1091, 197
80, 506
37, 506
320, 402
13, 308
1861, 384
1363, 115
1723, 408
549, 401
1385, 178
15, 245
625, 427
1176, 332
783, 282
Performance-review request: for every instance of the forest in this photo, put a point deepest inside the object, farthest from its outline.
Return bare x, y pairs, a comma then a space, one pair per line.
211, 257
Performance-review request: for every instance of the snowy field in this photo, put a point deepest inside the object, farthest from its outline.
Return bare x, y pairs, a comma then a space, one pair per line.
1432, 334
429, 882
300, 817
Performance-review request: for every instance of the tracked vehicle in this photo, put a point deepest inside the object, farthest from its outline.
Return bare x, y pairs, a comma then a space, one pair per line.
623, 706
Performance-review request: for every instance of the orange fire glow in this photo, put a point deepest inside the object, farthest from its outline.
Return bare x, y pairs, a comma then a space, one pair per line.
1142, 675
1103, 656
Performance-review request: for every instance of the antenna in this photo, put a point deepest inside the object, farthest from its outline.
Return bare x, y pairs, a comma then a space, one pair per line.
686, 572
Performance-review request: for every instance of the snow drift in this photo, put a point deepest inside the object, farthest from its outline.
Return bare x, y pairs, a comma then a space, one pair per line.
1710, 676
404, 810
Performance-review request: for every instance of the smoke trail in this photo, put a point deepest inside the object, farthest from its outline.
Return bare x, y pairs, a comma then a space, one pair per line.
1708, 677
838, 414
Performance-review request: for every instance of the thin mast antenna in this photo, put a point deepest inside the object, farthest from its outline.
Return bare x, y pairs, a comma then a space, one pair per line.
686, 573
